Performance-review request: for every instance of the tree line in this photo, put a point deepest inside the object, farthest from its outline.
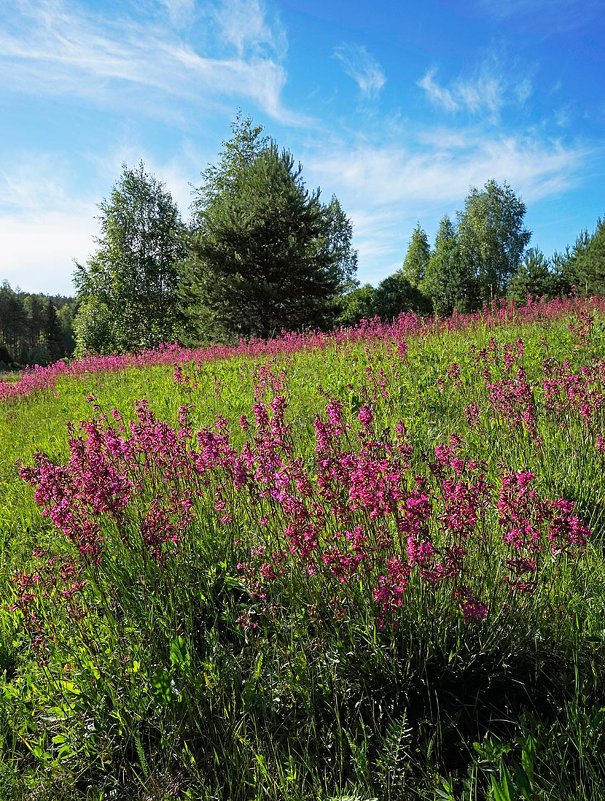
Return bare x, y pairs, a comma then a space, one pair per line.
481, 256
34, 328
262, 254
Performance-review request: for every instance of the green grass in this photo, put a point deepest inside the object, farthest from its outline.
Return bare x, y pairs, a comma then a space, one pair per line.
181, 683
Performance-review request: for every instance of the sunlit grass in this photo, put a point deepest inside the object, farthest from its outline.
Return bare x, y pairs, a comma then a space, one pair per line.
199, 645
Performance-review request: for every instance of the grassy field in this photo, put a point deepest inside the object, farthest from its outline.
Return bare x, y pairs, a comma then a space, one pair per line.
360, 567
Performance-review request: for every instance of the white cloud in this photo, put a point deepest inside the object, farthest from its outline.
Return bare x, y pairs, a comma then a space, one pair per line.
244, 25
480, 95
443, 138
47, 221
438, 95
38, 249
50, 47
393, 174
386, 189
362, 68
180, 12
378, 239
179, 173
34, 182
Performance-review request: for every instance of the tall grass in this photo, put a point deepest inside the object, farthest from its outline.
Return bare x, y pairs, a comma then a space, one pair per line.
370, 569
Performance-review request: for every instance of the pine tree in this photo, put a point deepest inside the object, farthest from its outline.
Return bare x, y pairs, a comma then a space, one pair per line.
52, 333
266, 254
534, 278
589, 267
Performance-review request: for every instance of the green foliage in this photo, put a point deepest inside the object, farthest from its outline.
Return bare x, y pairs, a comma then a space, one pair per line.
94, 328
446, 282
12, 319
65, 317
391, 297
266, 254
395, 295
357, 304
566, 264
417, 258
133, 275
589, 263
534, 278
6, 360
491, 241
34, 328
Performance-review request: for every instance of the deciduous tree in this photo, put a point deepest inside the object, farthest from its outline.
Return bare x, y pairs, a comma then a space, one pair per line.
417, 257
133, 274
491, 240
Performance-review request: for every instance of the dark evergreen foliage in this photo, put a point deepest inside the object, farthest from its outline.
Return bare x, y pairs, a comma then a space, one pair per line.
34, 328
534, 278
266, 254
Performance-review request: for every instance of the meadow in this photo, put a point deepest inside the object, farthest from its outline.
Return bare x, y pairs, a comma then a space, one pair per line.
363, 565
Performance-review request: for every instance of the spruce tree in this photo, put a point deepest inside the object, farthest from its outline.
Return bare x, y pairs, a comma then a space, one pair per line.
534, 278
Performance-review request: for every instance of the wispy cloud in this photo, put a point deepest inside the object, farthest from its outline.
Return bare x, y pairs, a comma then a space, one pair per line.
362, 68
430, 176
53, 47
245, 25
553, 15
482, 94
395, 185
180, 12
438, 95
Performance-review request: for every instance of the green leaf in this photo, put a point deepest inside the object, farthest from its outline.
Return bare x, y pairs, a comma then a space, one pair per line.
528, 757
502, 790
523, 784
179, 654
161, 687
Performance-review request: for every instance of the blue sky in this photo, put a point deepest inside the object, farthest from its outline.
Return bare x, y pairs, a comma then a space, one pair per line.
396, 107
